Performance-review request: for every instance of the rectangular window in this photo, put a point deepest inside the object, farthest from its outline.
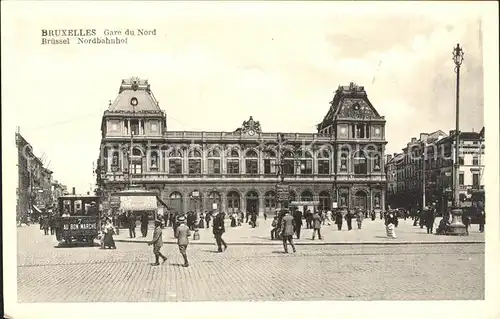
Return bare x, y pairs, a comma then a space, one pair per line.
154, 127
461, 160
475, 161
461, 179
195, 166
251, 166
134, 127
136, 168
233, 166
269, 166
323, 167
306, 166
475, 180
213, 166
175, 166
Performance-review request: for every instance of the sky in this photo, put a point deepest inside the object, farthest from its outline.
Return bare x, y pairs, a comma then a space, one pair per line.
211, 66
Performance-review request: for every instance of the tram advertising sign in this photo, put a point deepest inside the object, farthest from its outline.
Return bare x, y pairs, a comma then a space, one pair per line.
282, 192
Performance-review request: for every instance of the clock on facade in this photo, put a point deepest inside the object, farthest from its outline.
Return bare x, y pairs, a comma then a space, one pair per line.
377, 131
251, 132
134, 101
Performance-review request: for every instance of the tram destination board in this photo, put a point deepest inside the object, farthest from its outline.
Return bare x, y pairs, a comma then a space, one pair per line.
282, 192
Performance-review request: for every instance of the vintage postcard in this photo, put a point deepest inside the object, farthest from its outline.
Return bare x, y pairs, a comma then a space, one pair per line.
167, 158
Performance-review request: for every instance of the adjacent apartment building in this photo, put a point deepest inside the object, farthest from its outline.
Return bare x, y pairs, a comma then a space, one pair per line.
423, 172
341, 164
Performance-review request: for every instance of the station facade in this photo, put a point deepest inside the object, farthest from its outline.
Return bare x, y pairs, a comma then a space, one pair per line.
341, 164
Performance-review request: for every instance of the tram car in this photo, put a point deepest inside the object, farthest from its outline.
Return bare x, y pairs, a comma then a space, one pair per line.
78, 219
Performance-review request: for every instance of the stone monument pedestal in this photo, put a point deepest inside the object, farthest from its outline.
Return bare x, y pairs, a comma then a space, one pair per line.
456, 228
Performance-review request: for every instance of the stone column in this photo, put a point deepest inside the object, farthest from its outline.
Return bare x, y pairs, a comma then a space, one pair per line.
349, 198
243, 203
204, 162
262, 207
382, 200
185, 202
223, 203
242, 162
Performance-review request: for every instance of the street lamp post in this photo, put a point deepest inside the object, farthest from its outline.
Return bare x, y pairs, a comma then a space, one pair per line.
280, 171
456, 227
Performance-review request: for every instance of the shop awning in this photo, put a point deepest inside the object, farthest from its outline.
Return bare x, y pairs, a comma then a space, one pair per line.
37, 209
138, 203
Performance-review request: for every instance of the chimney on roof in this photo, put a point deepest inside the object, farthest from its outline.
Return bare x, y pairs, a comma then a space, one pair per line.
452, 132
388, 157
423, 136
73, 191
413, 139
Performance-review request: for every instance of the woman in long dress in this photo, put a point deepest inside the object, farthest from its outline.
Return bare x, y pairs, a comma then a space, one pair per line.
109, 231
389, 225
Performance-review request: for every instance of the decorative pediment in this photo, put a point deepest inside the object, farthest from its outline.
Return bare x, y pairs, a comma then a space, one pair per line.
250, 127
357, 108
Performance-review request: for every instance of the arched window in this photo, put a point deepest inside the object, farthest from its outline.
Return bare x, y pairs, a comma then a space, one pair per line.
306, 196
251, 162
252, 200
323, 162
376, 201
115, 161
360, 164
376, 161
344, 156
288, 163
306, 162
214, 200
270, 200
194, 162
324, 200
233, 162
195, 201
175, 162
154, 160
213, 162
269, 162
175, 199
233, 201
136, 166
293, 197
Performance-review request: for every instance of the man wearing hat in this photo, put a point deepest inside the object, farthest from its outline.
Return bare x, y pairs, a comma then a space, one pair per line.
157, 242
218, 230
182, 233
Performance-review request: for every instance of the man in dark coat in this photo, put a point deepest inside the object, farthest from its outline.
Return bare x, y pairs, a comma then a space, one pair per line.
287, 230
297, 216
348, 219
144, 224
208, 218
218, 230
338, 219
429, 220
316, 221
131, 224
157, 243
182, 233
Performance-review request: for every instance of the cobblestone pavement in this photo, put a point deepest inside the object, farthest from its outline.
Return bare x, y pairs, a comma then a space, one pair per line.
371, 232
259, 272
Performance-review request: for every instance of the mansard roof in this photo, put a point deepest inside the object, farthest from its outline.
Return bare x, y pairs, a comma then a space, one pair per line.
350, 102
138, 89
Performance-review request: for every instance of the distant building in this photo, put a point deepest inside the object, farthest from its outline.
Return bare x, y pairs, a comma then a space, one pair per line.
408, 174
34, 191
198, 170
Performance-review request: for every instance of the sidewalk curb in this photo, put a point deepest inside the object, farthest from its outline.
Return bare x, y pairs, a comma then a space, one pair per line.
192, 242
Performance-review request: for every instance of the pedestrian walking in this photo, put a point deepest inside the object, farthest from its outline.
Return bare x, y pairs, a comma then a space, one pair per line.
329, 217
109, 231
287, 230
218, 230
467, 221
389, 225
144, 224
207, 218
348, 219
429, 220
297, 216
316, 221
359, 218
265, 215
201, 224
45, 225
157, 243
338, 219
132, 224
274, 229
182, 233
308, 216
